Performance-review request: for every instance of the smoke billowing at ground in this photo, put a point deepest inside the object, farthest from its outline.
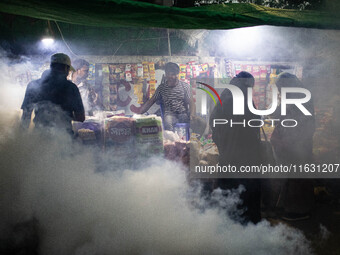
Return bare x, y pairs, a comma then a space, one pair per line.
120, 211
77, 210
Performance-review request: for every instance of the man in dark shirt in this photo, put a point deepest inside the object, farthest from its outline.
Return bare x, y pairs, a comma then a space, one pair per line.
239, 145
55, 100
294, 145
175, 97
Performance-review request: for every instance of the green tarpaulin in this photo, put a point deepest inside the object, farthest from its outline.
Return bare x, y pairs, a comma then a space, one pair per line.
115, 13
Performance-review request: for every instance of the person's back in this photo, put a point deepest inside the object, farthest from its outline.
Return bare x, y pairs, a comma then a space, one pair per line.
54, 99
294, 144
237, 143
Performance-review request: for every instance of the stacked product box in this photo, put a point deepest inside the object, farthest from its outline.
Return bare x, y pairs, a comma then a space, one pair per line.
89, 131
119, 137
149, 135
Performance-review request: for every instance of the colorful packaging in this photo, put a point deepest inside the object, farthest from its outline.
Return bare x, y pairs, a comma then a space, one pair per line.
153, 76
105, 68
90, 131
127, 67
181, 76
87, 135
139, 70
189, 71
112, 69
205, 68
113, 78
119, 130
145, 70
151, 67
238, 68
140, 99
247, 68
119, 140
137, 88
256, 72
182, 68
120, 76
128, 76
92, 72
152, 88
149, 137
200, 70
196, 70
263, 73
134, 71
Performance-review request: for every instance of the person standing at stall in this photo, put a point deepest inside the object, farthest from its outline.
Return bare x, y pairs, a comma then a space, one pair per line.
54, 100
294, 145
239, 145
174, 97
88, 94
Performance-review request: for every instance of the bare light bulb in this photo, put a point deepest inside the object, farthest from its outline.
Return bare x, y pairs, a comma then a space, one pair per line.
47, 41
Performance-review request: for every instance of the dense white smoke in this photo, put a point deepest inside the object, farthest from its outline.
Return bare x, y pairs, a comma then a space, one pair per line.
120, 211
11, 93
78, 210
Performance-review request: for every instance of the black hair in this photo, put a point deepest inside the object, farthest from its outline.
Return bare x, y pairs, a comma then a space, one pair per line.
79, 63
286, 79
171, 67
243, 78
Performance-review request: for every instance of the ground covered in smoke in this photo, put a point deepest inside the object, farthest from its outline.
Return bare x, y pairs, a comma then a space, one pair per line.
151, 210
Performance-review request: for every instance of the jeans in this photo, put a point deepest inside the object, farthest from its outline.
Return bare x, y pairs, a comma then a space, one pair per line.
171, 119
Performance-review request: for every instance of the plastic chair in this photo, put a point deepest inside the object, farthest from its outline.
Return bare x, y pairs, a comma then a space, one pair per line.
185, 126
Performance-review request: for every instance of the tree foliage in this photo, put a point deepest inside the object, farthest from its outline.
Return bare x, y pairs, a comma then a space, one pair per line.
282, 4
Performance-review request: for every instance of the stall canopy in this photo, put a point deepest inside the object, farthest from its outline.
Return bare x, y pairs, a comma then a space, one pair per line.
116, 13
137, 28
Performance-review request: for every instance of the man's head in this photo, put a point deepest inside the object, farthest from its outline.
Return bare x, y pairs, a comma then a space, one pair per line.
243, 79
171, 73
81, 67
61, 63
287, 80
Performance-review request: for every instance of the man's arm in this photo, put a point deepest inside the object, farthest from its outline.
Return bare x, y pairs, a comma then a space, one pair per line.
27, 107
145, 107
79, 116
78, 107
26, 117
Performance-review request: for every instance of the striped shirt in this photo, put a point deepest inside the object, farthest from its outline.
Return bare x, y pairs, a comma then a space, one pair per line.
175, 99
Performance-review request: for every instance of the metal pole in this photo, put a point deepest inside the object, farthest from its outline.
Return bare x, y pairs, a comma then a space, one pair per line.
169, 45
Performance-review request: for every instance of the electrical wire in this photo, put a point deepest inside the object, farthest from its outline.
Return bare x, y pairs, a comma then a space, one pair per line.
137, 39
118, 48
62, 37
121, 44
